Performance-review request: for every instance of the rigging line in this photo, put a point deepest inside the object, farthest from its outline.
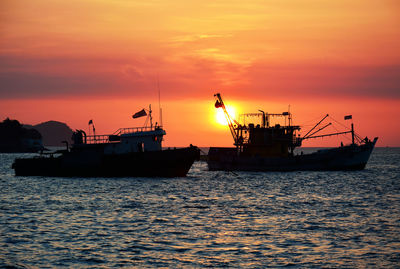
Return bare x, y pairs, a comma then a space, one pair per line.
306, 125
311, 122
317, 131
356, 134
346, 137
347, 128
334, 127
359, 139
315, 126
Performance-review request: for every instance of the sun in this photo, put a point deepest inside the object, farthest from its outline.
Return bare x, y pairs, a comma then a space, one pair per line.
220, 115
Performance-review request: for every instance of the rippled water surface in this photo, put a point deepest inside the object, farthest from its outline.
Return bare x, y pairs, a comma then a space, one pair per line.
208, 219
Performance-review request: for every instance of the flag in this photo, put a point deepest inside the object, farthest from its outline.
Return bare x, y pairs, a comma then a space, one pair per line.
139, 114
90, 122
348, 117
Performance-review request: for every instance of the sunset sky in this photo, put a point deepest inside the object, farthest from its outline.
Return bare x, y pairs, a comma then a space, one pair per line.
77, 60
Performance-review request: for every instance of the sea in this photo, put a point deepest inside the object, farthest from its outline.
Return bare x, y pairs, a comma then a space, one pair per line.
343, 219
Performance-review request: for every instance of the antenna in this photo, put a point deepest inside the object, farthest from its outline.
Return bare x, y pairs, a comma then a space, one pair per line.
159, 102
151, 118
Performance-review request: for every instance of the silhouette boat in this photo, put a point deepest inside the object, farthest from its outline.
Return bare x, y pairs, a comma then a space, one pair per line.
271, 148
128, 152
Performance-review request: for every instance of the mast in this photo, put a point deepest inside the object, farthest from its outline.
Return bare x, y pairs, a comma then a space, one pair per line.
151, 118
159, 102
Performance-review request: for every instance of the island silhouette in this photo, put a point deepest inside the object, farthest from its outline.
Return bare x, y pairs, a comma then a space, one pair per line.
16, 137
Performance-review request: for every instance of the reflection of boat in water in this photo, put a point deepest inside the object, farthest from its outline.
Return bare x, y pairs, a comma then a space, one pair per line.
271, 148
129, 152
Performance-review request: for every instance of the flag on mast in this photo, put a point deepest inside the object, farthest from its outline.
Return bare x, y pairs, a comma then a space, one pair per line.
90, 122
139, 114
348, 117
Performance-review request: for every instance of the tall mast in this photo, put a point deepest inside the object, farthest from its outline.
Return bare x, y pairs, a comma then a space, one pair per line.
151, 118
159, 102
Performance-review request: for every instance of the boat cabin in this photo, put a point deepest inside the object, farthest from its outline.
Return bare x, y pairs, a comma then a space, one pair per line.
265, 140
123, 141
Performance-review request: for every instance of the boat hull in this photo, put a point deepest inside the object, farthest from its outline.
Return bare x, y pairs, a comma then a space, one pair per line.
92, 163
352, 157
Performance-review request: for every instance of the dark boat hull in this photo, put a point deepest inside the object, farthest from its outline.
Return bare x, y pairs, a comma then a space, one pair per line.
165, 163
353, 157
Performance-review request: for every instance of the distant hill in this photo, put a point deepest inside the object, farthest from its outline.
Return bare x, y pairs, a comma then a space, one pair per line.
54, 132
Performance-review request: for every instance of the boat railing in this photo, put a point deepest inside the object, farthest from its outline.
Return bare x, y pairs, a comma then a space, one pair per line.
130, 130
115, 137
98, 139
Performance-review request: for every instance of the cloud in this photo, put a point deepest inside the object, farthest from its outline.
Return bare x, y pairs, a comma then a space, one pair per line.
28, 85
33, 77
132, 72
184, 76
196, 37
191, 75
310, 81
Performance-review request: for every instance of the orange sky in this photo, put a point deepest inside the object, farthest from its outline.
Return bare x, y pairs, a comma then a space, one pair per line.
83, 59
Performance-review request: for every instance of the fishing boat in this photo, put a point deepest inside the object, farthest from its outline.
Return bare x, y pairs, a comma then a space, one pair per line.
128, 152
268, 147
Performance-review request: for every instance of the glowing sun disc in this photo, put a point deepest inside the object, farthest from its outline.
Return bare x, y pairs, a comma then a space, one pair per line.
220, 115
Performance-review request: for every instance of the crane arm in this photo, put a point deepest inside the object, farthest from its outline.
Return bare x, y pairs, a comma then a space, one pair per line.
220, 104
